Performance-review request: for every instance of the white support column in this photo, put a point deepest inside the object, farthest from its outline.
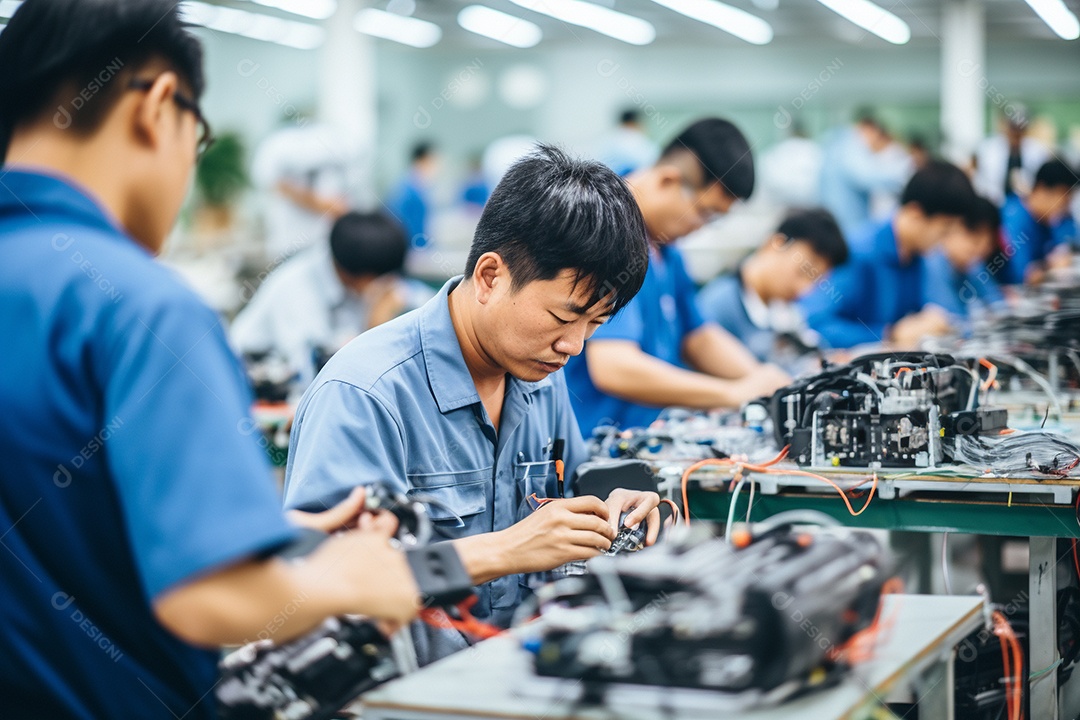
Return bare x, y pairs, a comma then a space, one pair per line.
963, 77
347, 91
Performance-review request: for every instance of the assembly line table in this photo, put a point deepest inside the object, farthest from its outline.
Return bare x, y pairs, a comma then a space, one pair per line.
495, 679
1041, 510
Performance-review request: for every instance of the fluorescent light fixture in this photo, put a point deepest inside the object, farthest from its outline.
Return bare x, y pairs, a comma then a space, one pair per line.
8, 7
499, 26
614, 24
1054, 13
873, 18
256, 26
314, 9
390, 26
730, 19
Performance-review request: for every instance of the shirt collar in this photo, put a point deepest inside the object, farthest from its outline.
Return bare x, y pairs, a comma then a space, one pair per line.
448, 375
755, 307
44, 194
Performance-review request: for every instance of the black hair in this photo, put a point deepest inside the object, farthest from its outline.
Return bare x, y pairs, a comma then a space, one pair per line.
817, 228
421, 150
722, 151
629, 116
940, 188
984, 215
70, 52
368, 243
1056, 174
551, 212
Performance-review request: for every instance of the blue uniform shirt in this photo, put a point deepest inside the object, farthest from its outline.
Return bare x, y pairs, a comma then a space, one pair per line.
1028, 240
722, 302
129, 464
410, 206
957, 291
658, 319
868, 293
398, 405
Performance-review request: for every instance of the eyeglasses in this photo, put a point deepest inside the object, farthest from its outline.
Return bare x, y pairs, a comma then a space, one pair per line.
206, 135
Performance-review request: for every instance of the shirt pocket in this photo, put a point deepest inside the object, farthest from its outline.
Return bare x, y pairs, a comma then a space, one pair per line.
456, 502
533, 478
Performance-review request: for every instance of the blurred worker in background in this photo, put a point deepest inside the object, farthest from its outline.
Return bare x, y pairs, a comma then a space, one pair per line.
1040, 231
756, 303
861, 163
878, 295
959, 274
410, 202
303, 170
628, 148
660, 351
1006, 162
325, 296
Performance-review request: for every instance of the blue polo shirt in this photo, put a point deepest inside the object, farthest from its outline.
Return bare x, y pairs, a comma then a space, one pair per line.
1029, 240
658, 319
957, 291
398, 405
867, 294
721, 301
129, 465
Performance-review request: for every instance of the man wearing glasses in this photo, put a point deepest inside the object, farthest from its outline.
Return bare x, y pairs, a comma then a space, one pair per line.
138, 520
659, 351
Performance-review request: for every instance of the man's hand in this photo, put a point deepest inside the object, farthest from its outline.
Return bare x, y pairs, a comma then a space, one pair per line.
555, 534
760, 382
349, 513
370, 576
645, 507
908, 332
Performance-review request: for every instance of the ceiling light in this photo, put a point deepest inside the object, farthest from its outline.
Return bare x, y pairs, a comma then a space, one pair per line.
499, 26
314, 9
614, 24
8, 7
256, 26
1060, 19
873, 18
405, 30
730, 19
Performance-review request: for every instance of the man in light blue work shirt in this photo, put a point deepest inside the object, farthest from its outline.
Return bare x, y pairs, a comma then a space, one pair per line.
460, 403
660, 352
878, 296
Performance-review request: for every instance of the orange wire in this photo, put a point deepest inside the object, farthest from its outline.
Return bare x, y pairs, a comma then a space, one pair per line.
1076, 560
674, 510
717, 461
1012, 661
991, 376
859, 646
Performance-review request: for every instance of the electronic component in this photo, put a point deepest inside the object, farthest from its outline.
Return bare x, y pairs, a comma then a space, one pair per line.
770, 618
312, 677
884, 410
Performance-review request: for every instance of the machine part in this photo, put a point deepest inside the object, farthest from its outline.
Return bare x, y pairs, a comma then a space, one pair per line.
767, 618
314, 676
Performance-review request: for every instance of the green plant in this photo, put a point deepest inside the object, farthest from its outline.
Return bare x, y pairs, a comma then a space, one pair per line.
221, 174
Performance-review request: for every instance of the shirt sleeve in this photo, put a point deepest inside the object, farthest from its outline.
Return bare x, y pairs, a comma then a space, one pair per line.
193, 483
343, 436
833, 309
685, 295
